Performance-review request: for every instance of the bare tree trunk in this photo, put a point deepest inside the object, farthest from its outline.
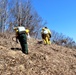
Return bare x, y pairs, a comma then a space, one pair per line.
3, 9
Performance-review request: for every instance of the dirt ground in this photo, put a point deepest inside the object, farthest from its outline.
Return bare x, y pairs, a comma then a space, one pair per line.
41, 60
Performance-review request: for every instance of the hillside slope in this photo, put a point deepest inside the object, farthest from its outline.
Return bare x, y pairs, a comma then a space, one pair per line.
41, 60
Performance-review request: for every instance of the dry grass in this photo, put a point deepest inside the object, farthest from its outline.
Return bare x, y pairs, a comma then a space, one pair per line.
41, 60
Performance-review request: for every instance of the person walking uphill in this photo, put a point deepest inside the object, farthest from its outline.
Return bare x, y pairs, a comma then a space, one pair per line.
21, 36
46, 35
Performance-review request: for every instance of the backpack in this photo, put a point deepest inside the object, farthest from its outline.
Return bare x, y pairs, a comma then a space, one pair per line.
45, 32
21, 29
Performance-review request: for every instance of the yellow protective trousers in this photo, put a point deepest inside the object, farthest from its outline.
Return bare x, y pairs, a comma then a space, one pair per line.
46, 39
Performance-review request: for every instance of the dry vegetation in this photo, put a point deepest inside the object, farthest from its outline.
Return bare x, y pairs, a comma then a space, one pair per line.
41, 60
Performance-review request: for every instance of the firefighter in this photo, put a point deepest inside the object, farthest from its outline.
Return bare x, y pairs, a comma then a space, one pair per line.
21, 36
46, 35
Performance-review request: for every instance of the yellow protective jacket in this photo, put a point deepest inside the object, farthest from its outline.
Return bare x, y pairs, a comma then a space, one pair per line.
49, 32
26, 32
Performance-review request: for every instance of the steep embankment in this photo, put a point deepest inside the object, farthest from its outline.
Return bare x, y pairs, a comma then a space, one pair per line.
41, 60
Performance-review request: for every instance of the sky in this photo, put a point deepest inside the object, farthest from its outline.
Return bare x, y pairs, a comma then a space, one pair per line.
59, 14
